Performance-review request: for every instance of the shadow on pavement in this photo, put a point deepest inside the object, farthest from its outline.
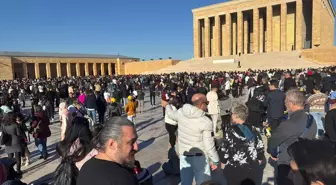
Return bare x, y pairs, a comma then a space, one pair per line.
44, 179
149, 123
146, 143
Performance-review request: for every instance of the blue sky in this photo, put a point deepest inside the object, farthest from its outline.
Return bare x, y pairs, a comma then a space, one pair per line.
145, 29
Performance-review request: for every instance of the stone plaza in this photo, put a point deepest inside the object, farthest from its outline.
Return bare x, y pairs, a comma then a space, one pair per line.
153, 150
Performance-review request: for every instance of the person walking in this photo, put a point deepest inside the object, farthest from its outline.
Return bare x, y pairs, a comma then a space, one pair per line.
241, 150
20, 120
275, 103
225, 105
171, 125
213, 107
130, 109
15, 142
40, 131
196, 142
316, 104
141, 100
101, 107
91, 105
116, 145
152, 93
298, 125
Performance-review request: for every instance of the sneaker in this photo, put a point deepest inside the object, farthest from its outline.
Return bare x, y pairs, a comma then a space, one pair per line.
46, 157
41, 157
27, 163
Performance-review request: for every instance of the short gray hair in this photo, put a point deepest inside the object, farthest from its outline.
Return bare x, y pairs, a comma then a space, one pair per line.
296, 97
241, 111
112, 129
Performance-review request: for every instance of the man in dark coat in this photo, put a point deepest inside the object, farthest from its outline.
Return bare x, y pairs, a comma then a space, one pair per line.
275, 103
289, 82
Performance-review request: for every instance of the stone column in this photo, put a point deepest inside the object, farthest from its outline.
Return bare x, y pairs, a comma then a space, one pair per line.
68, 69
87, 73
218, 40
240, 32
109, 68
48, 70
245, 30
256, 30
261, 35
298, 25
269, 15
78, 69
37, 70
25, 70
316, 30
234, 37
95, 69
228, 37
283, 19
197, 52
58, 69
102, 69
207, 36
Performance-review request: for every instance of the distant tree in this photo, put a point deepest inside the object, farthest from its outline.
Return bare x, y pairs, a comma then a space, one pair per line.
170, 57
160, 58
152, 59
143, 59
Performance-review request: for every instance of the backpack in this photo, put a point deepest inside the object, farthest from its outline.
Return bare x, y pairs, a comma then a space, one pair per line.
66, 172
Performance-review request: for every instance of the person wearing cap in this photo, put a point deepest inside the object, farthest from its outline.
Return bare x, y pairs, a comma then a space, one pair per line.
130, 109
114, 109
330, 119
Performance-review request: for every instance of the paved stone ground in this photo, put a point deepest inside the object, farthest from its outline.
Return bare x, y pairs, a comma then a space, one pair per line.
153, 147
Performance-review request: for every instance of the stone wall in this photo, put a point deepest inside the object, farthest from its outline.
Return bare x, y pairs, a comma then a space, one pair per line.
146, 66
6, 68
322, 55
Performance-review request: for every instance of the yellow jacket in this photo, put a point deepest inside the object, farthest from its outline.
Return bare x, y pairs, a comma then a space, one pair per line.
130, 108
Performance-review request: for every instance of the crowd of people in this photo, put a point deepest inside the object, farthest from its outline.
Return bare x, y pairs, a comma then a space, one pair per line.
210, 125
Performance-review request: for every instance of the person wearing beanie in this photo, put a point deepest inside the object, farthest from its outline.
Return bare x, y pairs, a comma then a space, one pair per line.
130, 108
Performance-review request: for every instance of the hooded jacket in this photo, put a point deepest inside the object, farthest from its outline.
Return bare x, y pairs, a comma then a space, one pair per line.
194, 131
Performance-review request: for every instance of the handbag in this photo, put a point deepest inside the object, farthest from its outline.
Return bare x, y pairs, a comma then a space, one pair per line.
4, 138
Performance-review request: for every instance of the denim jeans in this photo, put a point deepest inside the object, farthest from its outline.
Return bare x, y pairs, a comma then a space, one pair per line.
194, 166
318, 119
92, 115
41, 144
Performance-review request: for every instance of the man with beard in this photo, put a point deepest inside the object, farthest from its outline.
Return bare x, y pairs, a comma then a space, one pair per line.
116, 145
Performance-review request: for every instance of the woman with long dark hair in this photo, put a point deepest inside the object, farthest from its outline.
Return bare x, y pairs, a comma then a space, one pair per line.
15, 142
74, 150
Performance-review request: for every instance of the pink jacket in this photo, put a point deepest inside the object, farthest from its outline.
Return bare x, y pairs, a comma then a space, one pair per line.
81, 98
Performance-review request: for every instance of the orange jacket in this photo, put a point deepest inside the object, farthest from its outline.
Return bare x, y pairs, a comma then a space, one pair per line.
130, 108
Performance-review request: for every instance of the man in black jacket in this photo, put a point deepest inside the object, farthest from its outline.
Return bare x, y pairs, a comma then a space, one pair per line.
289, 82
152, 93
275, 103
289, 131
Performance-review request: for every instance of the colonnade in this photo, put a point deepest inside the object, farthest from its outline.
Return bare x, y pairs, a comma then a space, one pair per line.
275, 27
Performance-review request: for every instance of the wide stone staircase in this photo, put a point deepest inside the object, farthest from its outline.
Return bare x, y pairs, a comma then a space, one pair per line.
280, 60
